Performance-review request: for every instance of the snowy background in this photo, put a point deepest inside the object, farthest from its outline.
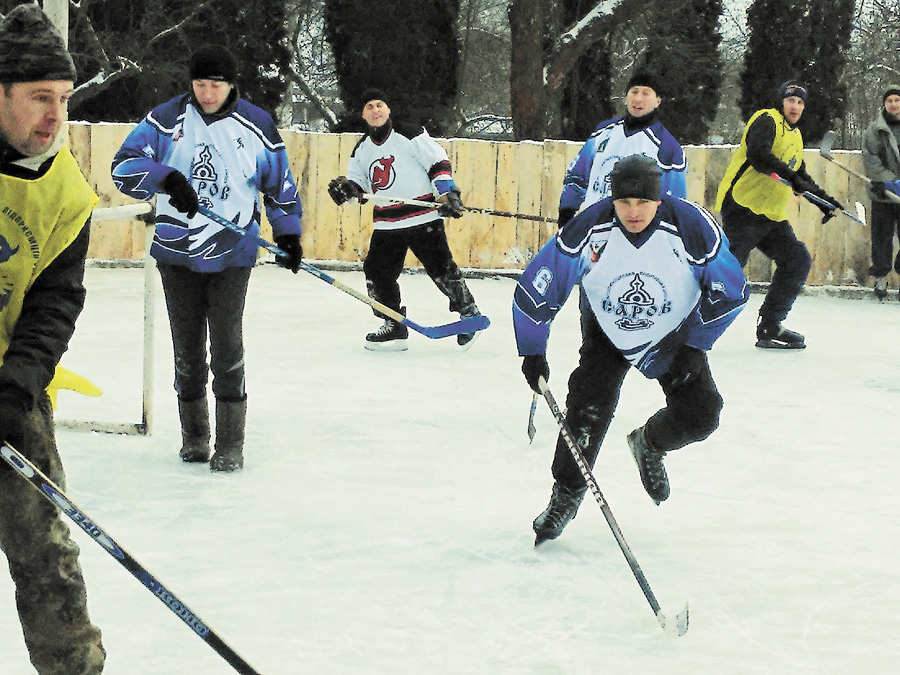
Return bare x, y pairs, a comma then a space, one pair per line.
382, 523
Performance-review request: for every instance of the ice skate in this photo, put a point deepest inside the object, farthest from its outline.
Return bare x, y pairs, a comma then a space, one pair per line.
464, 339
391, 337
564, 503
649, 461
772, 335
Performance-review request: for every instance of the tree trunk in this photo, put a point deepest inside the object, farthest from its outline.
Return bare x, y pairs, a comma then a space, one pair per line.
526, 74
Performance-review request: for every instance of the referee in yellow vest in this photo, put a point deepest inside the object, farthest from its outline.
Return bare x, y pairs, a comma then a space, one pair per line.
753, 205
45, 209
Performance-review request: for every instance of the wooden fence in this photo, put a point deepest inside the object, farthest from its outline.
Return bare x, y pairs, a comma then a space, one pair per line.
521, 178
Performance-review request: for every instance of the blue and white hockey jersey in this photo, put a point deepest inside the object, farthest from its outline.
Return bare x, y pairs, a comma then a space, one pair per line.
674, 283
587, 178
228, 162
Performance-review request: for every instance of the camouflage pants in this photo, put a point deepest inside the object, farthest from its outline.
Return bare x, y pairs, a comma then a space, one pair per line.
43, 562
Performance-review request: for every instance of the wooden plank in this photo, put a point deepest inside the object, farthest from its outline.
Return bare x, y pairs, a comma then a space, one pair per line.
354, 220
327, 166
475, 176
528, 156
506, 194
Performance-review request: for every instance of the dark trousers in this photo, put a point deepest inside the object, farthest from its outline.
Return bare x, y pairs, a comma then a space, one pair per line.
198, 303
43, 560
691, 413
428, 242
885, 221
747, 230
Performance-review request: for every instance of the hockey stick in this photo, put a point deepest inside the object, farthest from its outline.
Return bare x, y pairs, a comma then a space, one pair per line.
673, 626
859, 218
532, 430
470, 324
825, 151
471, 209
61, 501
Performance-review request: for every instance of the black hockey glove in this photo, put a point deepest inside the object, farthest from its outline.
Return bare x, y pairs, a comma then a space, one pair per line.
828, 213
565, 215
801, 185
181, 194
342, 190
535, 366
290, 244
451, 205
879, 189
13, 409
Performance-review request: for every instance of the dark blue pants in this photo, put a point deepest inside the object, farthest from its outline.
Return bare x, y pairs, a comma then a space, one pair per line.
691, 413
747, 230
200, 305
885, 221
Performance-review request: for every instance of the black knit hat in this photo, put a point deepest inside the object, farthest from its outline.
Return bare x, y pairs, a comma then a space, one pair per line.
636, 176
213, 62
372, 94
792, 88
31, 49
891, 89
642, 78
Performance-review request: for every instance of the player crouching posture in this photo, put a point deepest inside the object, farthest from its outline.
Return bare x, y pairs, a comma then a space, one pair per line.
661, 286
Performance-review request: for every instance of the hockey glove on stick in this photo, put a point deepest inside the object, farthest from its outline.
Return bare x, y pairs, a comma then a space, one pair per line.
535, 366
181, 194
290, 244
451, 205
342, 190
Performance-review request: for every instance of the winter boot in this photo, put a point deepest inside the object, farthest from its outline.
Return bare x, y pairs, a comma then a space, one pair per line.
391, 337
564, 503
772, 335
231, 418
881, 287
649, 461
465, 338
194, 417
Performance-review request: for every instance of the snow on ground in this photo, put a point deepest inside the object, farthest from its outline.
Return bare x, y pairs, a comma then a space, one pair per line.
383, 521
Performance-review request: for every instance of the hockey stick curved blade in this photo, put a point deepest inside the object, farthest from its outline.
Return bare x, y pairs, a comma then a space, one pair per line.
470, 324
674, 626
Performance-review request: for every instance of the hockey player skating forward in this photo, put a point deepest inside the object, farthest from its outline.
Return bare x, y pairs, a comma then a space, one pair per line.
400, 160
638, 131
754, 208
662, 286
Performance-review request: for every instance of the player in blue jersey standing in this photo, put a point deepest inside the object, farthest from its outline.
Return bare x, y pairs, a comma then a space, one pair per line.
639, 131
661, 286
212, 148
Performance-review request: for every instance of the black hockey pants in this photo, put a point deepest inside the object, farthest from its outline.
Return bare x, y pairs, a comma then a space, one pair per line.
691, 413
428, 242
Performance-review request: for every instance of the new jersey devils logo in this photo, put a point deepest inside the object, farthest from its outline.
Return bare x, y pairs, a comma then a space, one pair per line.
382, 174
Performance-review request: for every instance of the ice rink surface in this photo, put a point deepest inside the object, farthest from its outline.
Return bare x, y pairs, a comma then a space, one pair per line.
382, 523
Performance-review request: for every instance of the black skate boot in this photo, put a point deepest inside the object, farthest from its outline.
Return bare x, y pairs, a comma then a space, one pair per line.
465, 338
391, 337
881, 287
564, 503
772, 335
649, 461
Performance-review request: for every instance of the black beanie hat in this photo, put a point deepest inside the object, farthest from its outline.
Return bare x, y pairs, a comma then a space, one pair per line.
31, 49
891, 89
213, 62
642, 79
372, 94
792, 88
636, 176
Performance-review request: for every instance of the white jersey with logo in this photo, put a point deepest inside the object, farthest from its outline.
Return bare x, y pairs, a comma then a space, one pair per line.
673, 284
408, 164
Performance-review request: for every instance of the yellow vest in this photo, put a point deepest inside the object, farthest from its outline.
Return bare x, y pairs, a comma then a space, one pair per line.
758, 191
38, 220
